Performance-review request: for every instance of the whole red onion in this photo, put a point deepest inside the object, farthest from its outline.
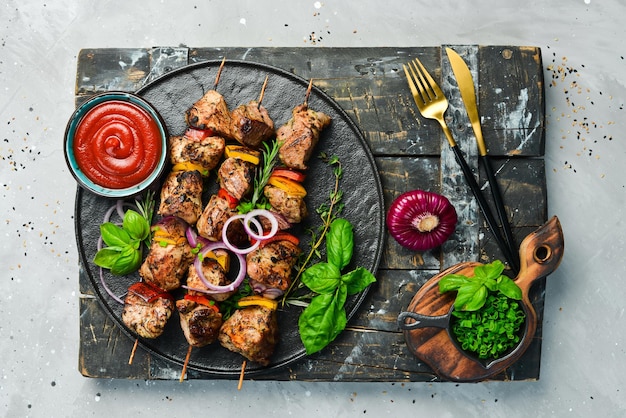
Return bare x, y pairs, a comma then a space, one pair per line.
421, 220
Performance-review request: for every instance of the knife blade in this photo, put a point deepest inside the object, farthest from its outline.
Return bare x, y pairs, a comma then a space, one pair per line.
468, 94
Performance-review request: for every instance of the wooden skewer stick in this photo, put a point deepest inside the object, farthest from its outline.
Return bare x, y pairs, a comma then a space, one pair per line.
182, 375
219, 72
263, 90
132, 352
243, 370
308, 93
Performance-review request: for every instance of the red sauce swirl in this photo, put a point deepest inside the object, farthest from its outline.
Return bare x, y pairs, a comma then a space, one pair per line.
117, 144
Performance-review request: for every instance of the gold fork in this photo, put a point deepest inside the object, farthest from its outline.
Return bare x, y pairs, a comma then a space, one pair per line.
432, 104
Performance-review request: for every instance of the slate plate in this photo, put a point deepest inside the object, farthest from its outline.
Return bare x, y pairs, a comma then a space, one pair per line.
240, 82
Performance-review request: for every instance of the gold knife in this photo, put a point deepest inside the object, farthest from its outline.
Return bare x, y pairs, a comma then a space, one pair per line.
468, 94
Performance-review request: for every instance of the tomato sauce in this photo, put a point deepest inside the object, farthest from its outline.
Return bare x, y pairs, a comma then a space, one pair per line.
117, 144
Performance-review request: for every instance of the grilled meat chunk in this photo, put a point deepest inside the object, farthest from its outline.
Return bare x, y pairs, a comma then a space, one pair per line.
201, 324
251, 332
300, 135
181, 196
214, 273
146, 315
213, 217
293, 208
197, 150
236, 177
210, 112
251, 124
271, 264
169, 257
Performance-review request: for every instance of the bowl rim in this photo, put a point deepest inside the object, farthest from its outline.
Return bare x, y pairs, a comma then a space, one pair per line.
77, 118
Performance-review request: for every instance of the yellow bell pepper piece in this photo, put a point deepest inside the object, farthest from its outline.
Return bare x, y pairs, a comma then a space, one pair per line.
189, 166
293, 188
164, 239
258, 301
243, 153
222, 258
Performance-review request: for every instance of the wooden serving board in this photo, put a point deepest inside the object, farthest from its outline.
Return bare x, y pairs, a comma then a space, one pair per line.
410, 153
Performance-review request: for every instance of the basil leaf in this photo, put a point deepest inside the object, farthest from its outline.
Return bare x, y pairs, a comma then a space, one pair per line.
322, 278
113, 235
452, 282
357, 280
340, 243
470, 297
106, 257
128, 261
322, 321
509, 288
489, 271
136, 225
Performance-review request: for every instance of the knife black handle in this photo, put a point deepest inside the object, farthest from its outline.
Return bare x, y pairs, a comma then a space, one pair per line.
484, 207
500, 208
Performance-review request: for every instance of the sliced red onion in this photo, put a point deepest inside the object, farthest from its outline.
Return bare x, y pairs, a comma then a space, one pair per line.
216, 288
283, 223
192, 236
265, 291
249, 217
230, 246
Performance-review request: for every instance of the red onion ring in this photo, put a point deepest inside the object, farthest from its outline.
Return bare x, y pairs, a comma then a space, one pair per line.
216, 288
249, 218
231, 246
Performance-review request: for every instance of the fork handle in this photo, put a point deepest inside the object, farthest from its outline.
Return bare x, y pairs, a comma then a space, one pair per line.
484, 207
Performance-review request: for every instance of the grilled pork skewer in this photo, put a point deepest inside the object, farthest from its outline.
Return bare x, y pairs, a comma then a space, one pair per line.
147, 309
196, 150
300, 134
251, 123
252, 332
169, 256
211, 111
181, 195
270, 266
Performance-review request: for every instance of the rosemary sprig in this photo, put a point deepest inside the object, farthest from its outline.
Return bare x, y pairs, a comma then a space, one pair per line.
263, 175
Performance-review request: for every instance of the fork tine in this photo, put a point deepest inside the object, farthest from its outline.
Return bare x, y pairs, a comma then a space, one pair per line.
412, 85
433, 88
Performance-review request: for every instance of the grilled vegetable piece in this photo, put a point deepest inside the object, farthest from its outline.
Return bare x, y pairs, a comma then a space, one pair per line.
170, 255
251, 332
181, 196
299, 136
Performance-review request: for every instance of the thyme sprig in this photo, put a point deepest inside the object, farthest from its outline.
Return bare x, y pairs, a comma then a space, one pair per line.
328, 212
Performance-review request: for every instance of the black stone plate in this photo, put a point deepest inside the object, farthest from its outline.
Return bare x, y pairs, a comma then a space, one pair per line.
240, 82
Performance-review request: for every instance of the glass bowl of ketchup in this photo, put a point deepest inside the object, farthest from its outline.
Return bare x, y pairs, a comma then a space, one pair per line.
116, 145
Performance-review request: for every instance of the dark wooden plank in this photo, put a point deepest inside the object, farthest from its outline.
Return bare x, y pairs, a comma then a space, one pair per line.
370, 85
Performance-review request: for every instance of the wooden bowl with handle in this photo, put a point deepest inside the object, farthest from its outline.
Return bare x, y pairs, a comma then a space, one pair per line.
426, 322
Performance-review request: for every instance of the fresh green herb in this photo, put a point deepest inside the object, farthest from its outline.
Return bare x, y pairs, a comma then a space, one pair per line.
328, 212
257, 201
228, 306
472, 291
325, 317
123, 253
492, 330
487, 316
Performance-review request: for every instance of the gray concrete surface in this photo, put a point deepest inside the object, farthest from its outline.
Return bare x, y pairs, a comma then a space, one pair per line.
584, 49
